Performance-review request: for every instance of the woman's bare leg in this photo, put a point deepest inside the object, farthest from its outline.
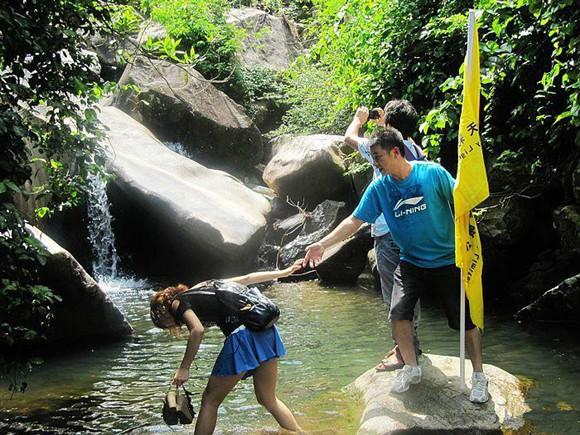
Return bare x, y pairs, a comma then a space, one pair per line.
265, 388
214, 394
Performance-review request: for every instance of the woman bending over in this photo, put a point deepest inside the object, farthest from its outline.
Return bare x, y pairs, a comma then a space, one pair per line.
245, 353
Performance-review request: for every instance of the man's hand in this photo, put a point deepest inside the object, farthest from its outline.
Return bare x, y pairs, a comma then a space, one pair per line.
362, 115
313, 255
181, 377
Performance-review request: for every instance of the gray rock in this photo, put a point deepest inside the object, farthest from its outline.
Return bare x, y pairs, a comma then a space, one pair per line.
177, 216
307, 169
437, 404
506, 222
345, 261
567, 224
270, 42
86, 312
179, 105
321, 221
558, 305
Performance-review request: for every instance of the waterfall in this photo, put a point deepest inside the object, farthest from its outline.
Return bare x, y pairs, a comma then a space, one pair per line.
101, 235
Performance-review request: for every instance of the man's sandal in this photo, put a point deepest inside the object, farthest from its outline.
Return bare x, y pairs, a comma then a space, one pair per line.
387, 366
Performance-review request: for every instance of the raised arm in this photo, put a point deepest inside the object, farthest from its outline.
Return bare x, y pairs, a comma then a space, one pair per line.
344, 230
361, 116
195, 336
256, 277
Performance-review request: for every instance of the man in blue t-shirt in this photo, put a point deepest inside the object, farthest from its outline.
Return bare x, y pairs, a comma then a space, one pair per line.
401, 115
416, 199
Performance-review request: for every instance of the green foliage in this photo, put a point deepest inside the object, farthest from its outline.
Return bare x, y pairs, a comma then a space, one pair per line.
370, 51
256, 84
200, 27
48, 92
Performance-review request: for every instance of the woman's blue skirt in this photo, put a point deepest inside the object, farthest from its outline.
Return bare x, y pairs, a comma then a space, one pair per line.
245, 350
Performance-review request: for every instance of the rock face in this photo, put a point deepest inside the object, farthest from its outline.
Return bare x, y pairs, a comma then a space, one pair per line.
558, 305
321, 221
344, 262
179, 105
174, 216
307, 169
372, 259
270, 42
86, 312
437, 405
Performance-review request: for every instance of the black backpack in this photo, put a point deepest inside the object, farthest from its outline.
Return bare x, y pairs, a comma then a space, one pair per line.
253, 309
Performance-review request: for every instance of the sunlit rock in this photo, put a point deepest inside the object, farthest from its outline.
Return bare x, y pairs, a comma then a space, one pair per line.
437, 404
307, 169
86, 312
270, 42
179, 105
173, 216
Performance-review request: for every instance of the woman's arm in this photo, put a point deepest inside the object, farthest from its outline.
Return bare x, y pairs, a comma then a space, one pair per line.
256, 277
195, 336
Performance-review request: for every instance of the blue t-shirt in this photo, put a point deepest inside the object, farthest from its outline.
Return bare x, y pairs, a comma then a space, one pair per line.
419, 212
412, 152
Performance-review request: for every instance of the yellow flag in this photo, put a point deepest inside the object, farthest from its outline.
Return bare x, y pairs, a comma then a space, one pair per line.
471, 187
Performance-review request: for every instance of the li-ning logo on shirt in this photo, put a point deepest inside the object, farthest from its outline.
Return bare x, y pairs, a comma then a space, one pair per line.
412, 202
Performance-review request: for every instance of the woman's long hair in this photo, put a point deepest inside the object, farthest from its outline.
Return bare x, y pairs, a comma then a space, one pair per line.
160, 307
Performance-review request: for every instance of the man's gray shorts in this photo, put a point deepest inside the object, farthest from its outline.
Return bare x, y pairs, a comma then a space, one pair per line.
387, 254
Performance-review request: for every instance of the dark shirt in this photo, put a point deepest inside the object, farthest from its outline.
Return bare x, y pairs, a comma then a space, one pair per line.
206, 306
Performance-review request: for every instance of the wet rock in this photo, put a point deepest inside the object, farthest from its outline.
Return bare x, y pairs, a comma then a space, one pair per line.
173, 216
558, 305
307, 169
567, 224
345, 261
506, 221
270, 42
86, 312
179, 105
437, 404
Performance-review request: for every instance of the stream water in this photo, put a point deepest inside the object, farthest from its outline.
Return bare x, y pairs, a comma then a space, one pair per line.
332, 336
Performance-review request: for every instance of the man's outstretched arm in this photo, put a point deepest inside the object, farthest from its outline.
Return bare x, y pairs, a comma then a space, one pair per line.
343, 231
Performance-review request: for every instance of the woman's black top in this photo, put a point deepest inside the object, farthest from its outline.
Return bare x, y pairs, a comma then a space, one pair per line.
206, 306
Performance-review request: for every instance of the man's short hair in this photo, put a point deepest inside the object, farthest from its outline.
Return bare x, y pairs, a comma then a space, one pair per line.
388, 139
402, 115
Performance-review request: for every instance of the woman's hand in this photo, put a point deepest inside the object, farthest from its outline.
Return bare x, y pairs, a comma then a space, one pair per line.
181, 377
292, 269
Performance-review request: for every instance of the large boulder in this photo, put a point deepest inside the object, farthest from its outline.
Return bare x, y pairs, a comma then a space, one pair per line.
558, 305
86, 312
437, 404
179, 105
345, 261
307, 169
270, 42
174, 216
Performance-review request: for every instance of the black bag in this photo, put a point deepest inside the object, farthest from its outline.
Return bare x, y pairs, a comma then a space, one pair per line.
254, 310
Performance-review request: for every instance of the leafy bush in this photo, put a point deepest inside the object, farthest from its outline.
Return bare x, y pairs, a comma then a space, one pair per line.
370, 51
200, 25
42, 66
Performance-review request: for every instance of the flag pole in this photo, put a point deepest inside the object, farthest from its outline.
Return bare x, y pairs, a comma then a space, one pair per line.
469, 60
462, 335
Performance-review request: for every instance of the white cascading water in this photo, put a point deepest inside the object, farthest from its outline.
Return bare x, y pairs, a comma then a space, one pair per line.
101, 235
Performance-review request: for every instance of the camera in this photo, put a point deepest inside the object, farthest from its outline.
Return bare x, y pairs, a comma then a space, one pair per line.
374, 114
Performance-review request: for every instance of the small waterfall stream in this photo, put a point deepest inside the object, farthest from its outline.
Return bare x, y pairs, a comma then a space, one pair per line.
101, 235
